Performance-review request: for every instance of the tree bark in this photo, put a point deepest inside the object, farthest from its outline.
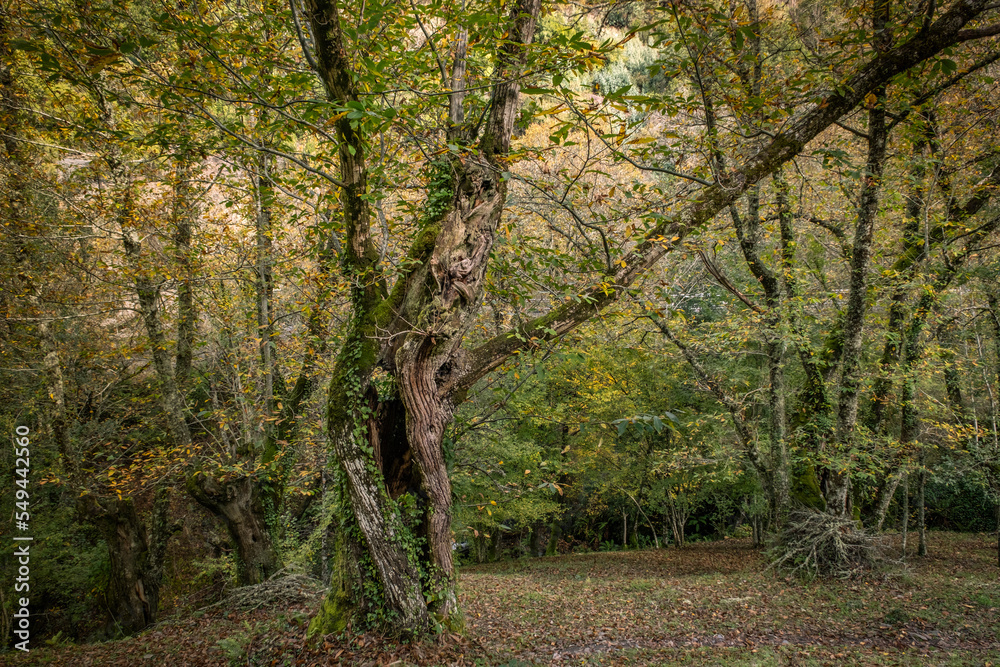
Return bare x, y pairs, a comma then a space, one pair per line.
749, 232
921, 506
136, 570
414, 334
914, 251
993, 298
239, 504
148, 294
264, 191
885, 494
836, 475
904, 519
185, 215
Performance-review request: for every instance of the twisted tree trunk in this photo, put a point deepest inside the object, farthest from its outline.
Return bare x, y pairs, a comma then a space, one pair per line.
390, 445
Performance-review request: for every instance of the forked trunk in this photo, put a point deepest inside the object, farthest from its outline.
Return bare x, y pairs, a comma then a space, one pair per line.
376, 573
884, 498
837, 478
239, 503
395, 481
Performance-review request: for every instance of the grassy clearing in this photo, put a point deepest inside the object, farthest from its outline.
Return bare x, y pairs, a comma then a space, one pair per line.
708, 604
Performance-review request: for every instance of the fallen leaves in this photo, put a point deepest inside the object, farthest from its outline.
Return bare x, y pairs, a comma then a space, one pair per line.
707, 604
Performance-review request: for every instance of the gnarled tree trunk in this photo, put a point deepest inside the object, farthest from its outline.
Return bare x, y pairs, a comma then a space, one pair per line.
239, 503
389, 445
136, 572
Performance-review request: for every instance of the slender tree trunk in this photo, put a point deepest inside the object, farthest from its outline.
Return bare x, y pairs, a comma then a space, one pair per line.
264, 188
914, 251
779, 443
921, 507
678, 520
147, 289
185, 215
837, 478
993, 468
884, 498
904, 511
749, 232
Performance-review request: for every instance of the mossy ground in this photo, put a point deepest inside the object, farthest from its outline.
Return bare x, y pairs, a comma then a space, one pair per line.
708, 604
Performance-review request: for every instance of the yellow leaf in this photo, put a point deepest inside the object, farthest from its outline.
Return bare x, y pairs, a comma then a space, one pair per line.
555, 109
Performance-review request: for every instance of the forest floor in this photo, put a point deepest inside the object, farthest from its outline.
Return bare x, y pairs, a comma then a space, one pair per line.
711, 603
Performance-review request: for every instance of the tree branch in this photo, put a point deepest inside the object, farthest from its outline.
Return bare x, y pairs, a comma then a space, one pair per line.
671, 231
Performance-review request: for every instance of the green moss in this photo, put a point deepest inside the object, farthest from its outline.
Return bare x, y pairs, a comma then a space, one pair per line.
355, 364
426, 239
333, 616
805, 489
337, 404
454, 623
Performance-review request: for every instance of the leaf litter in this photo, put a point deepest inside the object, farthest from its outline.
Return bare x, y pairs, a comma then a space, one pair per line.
707, 604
